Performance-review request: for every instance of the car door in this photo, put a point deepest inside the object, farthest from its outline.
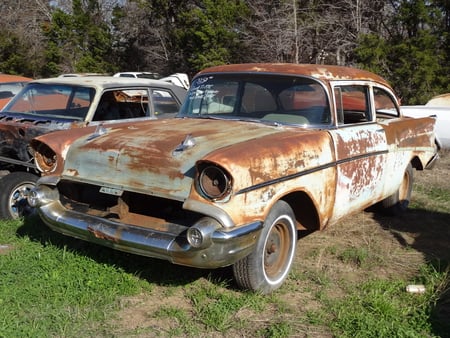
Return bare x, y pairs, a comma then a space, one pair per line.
360, 148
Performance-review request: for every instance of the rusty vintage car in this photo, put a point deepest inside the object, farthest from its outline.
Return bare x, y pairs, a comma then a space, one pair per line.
62, 103
259, 154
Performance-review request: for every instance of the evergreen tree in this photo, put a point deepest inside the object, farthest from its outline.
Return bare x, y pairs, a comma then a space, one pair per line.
208, 33
411, 53
13, 58
79, 41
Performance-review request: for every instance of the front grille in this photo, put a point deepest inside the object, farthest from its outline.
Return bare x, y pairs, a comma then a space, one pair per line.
132, 208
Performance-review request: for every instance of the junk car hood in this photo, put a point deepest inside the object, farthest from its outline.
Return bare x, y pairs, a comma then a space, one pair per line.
16, 131
150, 157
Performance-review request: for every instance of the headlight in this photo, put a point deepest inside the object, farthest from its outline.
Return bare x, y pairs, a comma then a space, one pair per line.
214, 182
45, 158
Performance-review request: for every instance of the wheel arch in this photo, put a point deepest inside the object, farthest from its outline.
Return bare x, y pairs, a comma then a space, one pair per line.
304, 209
417, 163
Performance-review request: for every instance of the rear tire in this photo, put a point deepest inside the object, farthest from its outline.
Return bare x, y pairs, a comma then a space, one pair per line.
14, 189
266, 268
397, 203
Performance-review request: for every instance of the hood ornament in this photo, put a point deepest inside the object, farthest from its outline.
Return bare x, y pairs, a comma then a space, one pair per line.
188, 142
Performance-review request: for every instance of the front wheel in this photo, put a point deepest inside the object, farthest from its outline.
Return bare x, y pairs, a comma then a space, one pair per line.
266, 268
14, 189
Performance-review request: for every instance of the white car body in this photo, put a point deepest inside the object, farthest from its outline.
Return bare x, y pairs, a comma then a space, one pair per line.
145, 75
438, 106
178, 79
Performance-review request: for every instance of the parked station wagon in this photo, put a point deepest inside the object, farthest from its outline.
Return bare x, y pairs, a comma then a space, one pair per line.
46, 105
258, 154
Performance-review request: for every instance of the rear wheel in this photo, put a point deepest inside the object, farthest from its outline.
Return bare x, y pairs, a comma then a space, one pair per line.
14, 189
398, 202
266, 268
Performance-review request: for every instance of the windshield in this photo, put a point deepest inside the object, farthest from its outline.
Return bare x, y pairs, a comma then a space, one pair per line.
271, 98
50, 100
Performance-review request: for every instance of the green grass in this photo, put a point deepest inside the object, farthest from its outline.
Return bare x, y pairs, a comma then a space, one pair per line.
48, 289
380, 308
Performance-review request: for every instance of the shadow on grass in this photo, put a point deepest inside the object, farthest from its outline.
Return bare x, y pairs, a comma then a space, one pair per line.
431, 231
152, 270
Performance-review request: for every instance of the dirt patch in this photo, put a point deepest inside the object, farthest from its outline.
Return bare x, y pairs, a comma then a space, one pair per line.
139, 313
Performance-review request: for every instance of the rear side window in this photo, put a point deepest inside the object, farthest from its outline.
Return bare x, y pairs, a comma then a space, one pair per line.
384, 102
352, 104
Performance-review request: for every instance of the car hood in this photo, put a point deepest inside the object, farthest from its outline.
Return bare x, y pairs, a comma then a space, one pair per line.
16, 131
156, 157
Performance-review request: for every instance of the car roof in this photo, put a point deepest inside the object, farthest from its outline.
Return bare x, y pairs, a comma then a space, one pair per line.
105, 82
13, 78
321, 72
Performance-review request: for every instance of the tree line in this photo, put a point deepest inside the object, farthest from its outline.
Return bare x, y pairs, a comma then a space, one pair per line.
405, 41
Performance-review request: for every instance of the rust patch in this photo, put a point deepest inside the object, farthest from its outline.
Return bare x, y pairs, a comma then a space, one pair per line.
410, 132
101, 235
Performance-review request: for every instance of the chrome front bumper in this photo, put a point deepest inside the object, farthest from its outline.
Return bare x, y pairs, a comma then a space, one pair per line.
225, 248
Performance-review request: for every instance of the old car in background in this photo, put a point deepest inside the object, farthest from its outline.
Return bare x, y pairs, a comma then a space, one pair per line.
69, 102
438, 106
179, 79
144, 75
442, 100
258, 154
10, 85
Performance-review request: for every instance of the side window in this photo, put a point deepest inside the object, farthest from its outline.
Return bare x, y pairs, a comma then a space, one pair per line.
108, 108
352, 104
384, 103
122, 104
164, 103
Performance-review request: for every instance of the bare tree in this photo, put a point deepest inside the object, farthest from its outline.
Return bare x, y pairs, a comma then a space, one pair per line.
270, 32
24, 20
309, 31
142, 38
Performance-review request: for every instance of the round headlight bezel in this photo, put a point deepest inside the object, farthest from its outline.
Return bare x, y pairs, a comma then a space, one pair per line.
214, 182
45, 158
